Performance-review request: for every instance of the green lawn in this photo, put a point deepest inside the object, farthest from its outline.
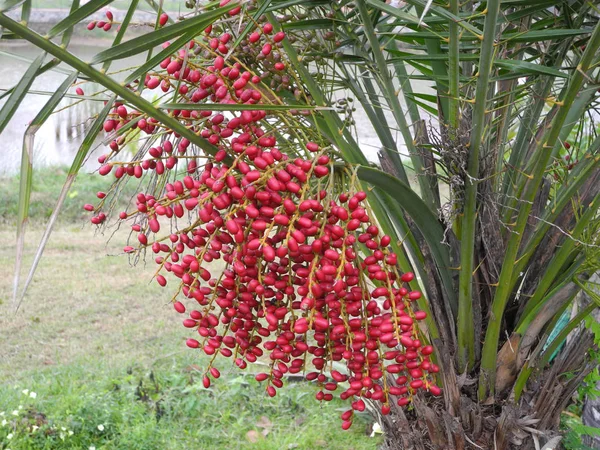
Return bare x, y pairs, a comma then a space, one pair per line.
47, 185
104, 353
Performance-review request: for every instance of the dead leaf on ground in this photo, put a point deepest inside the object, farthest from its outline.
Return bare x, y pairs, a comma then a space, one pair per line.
264, 422
253, 436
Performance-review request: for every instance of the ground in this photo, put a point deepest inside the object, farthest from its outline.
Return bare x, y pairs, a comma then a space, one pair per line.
104, 353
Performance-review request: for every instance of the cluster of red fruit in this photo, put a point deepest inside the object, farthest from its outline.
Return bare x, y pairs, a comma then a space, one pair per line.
105, 25
308, 280
561, 167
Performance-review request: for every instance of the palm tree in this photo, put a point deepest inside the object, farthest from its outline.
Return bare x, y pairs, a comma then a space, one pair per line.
487, 186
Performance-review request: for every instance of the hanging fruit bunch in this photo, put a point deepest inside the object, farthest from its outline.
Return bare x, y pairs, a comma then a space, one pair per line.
270, 255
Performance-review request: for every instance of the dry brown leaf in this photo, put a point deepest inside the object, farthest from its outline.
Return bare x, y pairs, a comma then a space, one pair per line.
264, 422
300, 420
253, 436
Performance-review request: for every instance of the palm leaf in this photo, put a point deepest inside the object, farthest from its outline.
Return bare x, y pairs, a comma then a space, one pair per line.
20, 91
27, 172
106, 81
157, 37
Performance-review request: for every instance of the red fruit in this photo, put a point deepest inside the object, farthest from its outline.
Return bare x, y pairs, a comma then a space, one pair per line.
152, 83
191, 203
427, 350
163, 19
88, 207
261, 376
414, 295
301, 326
122, 111
232, 226
267, 28
407, 277
359, 405
435, 390
312, 147
192, 343
154, 225
403, 401
321, 171
406, 342
91, 25
320, 323
79, 91
416, 384
254, 37
272, 319
109, 15
266, 50
291, 287
109, 125
219, 63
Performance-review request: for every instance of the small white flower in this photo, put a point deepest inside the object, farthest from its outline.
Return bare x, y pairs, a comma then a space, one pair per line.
9, 436
20, 406
2, 413
15, 412
63, 428
32, 394
91, 447
376, 429
34, 428
4, 422
25, 391
101, 427
71, 433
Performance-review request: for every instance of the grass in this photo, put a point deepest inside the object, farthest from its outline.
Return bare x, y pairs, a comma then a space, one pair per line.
104, 353
47, 184
167, 408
